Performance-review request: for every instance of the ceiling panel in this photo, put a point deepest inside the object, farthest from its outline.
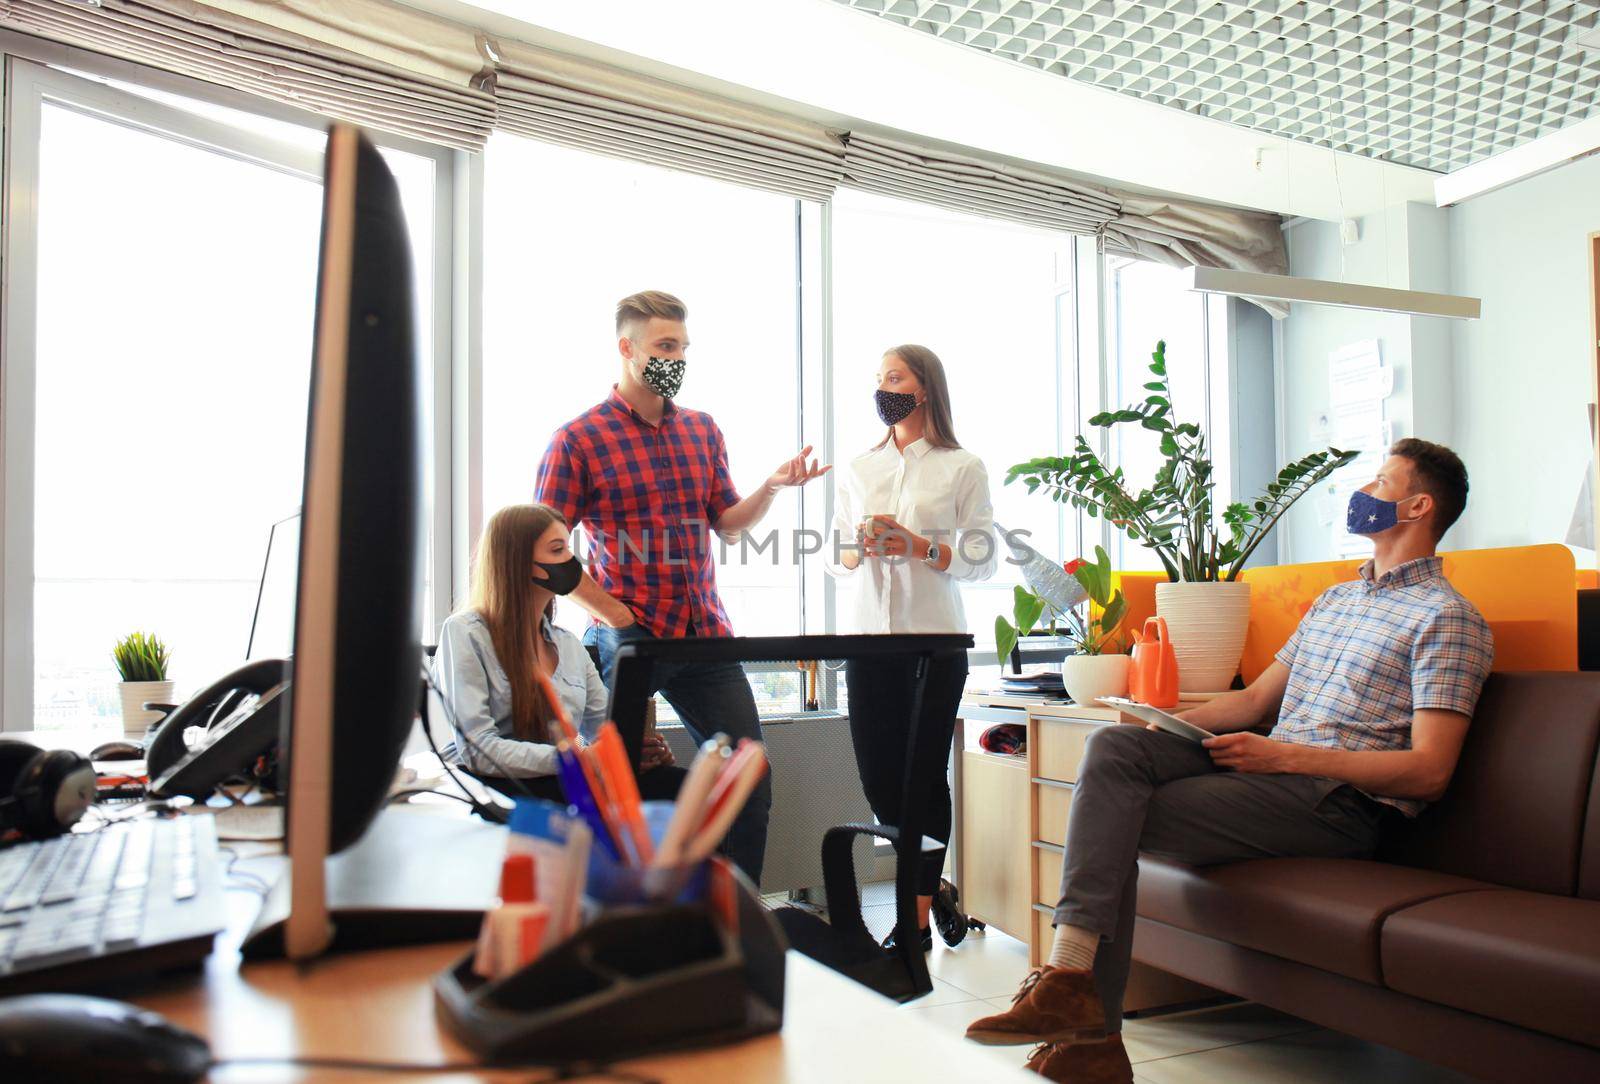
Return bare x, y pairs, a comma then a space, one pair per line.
1437, 84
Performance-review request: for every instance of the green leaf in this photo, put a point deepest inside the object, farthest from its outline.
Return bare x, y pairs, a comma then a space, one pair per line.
1005, 638
1030, 617
1113, 614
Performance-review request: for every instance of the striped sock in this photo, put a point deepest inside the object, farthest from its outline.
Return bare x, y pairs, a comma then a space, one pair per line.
1074, 948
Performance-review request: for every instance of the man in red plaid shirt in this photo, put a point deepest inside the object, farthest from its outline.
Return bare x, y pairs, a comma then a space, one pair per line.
648, 480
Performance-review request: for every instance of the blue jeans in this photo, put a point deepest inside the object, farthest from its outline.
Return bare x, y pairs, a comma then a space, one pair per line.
711, 698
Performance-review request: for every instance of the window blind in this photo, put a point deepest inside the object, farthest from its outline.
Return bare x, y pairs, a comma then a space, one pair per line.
365, 61
1032, 197
623, 114
1174, 232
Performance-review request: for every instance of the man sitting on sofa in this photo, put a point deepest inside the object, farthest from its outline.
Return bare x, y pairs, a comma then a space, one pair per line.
1371, 699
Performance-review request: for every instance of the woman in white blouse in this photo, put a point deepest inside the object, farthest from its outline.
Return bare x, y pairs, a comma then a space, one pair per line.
918, 506
490, 650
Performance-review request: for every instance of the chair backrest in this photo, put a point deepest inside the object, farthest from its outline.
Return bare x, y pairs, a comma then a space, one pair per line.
1516, 810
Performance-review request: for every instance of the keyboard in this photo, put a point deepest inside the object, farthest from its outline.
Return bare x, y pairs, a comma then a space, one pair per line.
141, 896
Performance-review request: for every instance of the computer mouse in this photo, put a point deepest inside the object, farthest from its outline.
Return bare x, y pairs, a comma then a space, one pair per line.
66, 1038
117, 750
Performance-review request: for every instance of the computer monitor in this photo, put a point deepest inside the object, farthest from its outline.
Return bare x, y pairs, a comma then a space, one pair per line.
272, 620
357, 657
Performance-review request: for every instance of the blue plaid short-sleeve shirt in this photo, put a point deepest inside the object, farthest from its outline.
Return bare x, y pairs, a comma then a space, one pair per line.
1372, 651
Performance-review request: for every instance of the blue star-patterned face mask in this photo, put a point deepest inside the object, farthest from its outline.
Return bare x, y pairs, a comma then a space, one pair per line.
1367, 514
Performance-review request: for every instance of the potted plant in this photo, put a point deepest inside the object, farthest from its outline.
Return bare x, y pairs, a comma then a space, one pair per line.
1097, 668
142, 663
1207, 611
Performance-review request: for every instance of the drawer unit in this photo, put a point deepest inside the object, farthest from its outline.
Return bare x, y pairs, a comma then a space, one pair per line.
995, 871
1061, 745
1051, 802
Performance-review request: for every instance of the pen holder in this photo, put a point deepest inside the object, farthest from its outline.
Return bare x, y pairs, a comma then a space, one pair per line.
638, 979
614, 884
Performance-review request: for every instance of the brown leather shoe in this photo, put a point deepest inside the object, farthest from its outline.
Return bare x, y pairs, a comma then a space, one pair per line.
1053, 1005
1102, 1061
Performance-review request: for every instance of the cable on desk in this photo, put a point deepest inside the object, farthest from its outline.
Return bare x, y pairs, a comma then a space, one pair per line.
482, 810
576, 1071
450, 717
248, 881
397, 795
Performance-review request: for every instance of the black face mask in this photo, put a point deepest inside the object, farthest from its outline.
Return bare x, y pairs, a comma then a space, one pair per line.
894, 406
564, 576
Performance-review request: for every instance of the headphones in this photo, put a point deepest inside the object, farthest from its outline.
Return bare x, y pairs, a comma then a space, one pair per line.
43, 792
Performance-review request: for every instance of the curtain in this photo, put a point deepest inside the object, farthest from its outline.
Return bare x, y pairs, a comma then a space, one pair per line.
1030, 196
389, 67
625, 114
369, 62
1182, 234
1170, 231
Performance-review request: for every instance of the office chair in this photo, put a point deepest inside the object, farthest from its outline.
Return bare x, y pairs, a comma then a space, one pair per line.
842, 941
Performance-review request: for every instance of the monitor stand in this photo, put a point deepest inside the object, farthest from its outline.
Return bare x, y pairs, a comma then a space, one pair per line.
417, 876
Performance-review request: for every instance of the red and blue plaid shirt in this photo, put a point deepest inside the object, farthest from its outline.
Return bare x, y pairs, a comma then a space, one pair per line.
647, 496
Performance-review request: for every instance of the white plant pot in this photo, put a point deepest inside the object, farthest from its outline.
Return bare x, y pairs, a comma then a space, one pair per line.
135, 720
1207, 623
1089, 677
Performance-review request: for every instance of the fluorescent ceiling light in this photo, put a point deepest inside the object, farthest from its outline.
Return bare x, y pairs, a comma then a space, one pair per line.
1350, 295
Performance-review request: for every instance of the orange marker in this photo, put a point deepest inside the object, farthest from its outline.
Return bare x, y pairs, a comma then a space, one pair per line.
605, 791
569, 731
624, 789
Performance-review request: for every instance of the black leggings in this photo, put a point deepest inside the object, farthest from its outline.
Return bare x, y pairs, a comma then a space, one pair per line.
658, 783
880, 717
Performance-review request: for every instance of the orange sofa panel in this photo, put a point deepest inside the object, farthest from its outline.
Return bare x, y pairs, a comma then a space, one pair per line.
1526, 593
1139, 590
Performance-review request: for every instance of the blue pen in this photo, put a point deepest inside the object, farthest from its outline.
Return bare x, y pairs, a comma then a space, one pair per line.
576, 788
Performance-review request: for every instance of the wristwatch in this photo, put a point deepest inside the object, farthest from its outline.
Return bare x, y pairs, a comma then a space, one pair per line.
934, 550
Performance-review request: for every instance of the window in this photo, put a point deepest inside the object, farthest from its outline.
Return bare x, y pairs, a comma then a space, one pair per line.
157, 382
566, 236
995, 302
1146, 303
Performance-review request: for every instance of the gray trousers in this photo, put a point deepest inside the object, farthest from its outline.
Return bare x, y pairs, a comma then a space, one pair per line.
1146, 790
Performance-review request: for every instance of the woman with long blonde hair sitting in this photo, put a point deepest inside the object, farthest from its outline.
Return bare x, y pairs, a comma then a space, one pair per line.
491, 650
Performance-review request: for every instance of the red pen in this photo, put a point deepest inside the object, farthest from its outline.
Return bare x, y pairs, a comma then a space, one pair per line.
746, 751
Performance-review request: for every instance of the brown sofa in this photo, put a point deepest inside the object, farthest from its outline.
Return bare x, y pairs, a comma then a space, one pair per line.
1472, 941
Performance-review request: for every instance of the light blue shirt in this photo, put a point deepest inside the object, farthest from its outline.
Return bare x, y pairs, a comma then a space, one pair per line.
1372, 652
477, 695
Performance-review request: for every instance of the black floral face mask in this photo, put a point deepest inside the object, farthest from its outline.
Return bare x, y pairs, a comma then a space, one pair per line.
664, 376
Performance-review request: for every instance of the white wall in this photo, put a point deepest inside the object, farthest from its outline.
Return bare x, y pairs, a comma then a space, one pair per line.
1524, 372
1508, 391
1312, 332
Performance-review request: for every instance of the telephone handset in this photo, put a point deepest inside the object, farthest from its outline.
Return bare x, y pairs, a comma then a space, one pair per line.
238, 717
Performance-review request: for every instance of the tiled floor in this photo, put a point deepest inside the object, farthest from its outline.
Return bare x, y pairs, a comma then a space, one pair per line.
1239, 1043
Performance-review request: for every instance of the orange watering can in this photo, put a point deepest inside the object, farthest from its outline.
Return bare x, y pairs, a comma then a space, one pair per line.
1153, 677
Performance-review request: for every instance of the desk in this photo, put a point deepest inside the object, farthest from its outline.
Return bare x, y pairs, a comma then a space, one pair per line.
379, 1005
1010, 826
